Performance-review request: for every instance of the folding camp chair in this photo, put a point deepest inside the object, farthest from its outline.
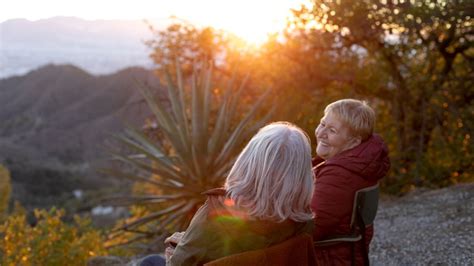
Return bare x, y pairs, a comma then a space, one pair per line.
363, 214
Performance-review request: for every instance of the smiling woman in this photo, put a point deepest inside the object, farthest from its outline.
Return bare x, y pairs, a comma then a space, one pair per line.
250, 20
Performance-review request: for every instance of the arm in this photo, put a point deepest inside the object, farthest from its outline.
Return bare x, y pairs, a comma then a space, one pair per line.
332, 200
195, 243
171, 243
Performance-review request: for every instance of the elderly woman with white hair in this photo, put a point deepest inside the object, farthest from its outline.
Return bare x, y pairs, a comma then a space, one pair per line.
265, 201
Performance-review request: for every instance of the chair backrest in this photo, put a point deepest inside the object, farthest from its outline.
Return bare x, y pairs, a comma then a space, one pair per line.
364, 209
366, 202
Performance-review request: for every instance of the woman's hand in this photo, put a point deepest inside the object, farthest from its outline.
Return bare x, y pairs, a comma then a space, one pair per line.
174, 239
172, 242
168, 253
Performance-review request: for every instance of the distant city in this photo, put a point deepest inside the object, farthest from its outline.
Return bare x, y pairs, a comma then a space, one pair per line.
99, 46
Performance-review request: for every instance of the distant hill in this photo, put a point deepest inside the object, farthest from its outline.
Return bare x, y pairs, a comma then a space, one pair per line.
99, 46
55, 122
64, 111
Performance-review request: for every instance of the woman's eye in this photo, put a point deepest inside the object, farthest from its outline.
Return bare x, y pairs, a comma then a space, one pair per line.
332, 131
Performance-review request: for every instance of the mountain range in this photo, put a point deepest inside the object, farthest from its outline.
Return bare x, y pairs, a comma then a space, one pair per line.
67, 85
98, 46
64, 111
56, 123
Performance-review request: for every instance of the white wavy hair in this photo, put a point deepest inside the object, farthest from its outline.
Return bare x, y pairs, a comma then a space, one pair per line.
272, 177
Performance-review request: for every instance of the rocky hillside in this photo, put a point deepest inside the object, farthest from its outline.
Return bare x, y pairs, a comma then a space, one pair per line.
57, 120
62, 110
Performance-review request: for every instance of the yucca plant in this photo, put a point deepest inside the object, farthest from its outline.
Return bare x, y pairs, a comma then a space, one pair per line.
201, 133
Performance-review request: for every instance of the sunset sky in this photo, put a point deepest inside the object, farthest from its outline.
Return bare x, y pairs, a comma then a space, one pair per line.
250, 19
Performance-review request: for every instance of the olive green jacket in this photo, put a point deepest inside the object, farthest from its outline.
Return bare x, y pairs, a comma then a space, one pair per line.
219, 229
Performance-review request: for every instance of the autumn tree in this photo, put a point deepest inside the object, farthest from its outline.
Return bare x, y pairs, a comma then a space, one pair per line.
415, 57
185, 44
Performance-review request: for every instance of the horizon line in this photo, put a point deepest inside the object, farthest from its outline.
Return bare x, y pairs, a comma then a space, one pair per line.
171, 17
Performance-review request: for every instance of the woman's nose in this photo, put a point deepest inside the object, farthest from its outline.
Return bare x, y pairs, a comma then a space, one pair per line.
320, 132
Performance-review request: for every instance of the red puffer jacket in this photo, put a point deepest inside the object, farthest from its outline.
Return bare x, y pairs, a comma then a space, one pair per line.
337, 180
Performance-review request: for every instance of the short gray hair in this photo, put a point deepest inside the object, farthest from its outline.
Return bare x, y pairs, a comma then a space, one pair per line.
356, 114
272, 177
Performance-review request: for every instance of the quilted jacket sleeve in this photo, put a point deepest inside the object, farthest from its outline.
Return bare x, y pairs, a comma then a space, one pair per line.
332, 201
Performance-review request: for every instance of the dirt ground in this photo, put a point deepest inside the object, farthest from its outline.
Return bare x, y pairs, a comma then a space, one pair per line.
426, 228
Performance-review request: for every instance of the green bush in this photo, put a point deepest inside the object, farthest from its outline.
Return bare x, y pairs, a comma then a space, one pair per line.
49, 242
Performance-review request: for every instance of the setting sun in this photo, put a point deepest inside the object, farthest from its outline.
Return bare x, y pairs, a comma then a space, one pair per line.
250, 20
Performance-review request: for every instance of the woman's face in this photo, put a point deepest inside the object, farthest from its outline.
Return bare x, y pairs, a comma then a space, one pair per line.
333, 137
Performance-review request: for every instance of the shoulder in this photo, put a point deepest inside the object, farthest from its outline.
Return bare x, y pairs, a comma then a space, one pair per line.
330, 170
219, 205
215, 192
215, 198
306, 227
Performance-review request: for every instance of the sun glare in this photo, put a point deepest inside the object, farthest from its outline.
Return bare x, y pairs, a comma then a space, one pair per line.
249, 19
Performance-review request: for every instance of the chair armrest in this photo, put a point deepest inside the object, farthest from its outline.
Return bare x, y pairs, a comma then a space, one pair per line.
337, 239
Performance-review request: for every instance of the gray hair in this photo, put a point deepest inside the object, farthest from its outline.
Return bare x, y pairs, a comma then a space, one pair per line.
272, 177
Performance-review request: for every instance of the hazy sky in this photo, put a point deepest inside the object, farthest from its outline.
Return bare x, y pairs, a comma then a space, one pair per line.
251, 19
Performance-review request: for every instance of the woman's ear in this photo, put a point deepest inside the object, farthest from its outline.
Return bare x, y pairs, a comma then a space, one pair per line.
355, 141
